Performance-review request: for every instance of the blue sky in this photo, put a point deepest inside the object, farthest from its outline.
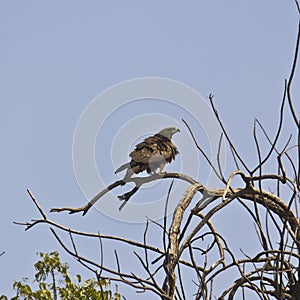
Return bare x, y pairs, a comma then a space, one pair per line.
57, 56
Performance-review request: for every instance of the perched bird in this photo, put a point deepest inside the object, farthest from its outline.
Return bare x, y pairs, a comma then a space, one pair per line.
151, 154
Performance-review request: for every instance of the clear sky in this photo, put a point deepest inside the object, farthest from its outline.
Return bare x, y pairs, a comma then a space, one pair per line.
57, 56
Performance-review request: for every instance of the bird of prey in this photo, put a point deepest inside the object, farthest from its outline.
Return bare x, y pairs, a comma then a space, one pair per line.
151, 154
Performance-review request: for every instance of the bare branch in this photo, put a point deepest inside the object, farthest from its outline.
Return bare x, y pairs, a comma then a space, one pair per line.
36, 204
138, 181
201, 150
210, 97
290, 80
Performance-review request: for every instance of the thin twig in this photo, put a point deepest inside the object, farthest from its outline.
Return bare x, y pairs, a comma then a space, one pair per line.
36, 204
210, 97
201, 150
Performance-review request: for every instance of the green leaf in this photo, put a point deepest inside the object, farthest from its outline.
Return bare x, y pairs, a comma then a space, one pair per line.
52, 273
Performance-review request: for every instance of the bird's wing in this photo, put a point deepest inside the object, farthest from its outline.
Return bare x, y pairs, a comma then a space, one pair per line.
155, 148
143, 154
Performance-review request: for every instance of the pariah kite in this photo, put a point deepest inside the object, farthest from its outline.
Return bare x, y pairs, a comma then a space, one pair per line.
151, 154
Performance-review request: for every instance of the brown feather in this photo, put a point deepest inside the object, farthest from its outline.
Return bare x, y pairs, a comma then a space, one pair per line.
153, 153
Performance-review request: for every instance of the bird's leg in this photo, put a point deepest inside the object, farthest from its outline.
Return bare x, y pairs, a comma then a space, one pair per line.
161, 167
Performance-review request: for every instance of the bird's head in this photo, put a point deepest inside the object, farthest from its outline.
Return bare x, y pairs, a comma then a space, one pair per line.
169, 131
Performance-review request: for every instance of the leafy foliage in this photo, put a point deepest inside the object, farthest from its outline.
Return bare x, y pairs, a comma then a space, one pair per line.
54, 282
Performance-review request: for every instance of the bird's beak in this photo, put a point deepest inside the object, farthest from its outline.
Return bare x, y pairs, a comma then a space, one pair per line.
177, 130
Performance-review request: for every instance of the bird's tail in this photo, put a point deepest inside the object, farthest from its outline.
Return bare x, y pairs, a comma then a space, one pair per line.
123, 167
